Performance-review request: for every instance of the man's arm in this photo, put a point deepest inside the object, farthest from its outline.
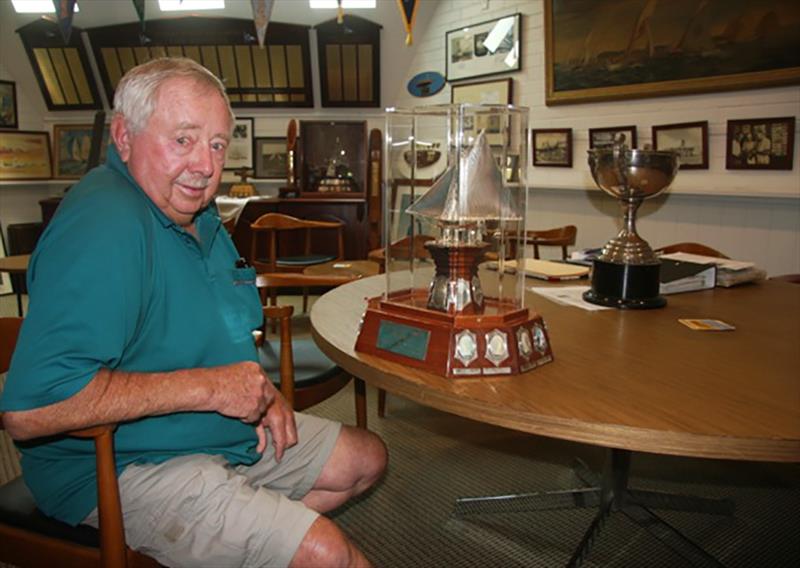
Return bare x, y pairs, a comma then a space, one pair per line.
240, 390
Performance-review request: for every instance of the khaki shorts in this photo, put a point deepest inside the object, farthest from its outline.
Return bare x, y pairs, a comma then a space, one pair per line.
199, 511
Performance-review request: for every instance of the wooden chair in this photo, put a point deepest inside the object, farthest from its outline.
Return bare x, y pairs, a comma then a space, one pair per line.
691, 248
266, 252
402, 249
303, 373
29, 538
559, 237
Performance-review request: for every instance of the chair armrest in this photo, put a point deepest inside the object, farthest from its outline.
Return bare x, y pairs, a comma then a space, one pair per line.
284, 315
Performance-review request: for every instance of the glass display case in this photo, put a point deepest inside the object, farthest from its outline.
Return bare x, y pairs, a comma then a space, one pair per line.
333, 159
454, 217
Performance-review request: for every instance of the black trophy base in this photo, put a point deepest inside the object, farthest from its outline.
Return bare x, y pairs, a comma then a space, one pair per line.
626, 286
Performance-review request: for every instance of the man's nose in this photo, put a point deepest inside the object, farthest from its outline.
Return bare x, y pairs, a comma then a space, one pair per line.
202, 160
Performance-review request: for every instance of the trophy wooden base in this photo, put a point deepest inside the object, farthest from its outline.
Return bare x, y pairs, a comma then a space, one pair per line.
627, 286
503, 340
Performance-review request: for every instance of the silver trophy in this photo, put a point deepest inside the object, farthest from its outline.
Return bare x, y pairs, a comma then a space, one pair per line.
626, 274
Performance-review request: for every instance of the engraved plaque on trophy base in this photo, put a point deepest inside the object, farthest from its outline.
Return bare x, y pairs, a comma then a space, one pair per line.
503, 340
627, 286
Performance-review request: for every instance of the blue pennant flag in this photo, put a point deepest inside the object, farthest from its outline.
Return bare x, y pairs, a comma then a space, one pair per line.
64, 11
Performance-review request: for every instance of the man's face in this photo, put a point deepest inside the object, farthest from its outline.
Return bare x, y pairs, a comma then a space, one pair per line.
178, 157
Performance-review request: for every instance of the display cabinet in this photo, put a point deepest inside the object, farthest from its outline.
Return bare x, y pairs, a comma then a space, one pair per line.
333, 159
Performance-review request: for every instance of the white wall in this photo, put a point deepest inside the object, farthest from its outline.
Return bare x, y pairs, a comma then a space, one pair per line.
713, 206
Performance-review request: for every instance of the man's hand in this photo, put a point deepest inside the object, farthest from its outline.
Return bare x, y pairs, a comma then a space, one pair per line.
280, 421
242, 391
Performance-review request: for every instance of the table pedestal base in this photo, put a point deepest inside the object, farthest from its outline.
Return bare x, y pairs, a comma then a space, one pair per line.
609, 492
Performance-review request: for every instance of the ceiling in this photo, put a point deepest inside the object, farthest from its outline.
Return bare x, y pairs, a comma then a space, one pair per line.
105, 12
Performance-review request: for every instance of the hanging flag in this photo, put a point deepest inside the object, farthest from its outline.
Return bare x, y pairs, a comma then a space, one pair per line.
139, 6
262, 10
408, 9
64, 11
340, 13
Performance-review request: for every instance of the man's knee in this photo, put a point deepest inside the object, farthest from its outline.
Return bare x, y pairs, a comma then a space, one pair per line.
372, 453
326, 545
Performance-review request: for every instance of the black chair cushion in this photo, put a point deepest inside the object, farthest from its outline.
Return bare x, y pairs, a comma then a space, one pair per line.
18, 509
311, 366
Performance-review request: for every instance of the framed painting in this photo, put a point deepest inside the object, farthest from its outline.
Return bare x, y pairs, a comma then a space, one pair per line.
605, 137
240, 150
8, 105
497, 92
552, 147
482, 49
402, 222
26, 155
760, 144
688, 139
271, 158
71, 148
621, 49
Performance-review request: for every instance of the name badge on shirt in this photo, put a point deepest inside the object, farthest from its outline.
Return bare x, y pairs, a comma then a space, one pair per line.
244, 276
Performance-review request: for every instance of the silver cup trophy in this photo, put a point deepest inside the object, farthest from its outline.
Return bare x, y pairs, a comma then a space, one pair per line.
626, 274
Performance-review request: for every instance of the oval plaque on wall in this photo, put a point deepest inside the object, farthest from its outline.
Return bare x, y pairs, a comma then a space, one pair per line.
426, 84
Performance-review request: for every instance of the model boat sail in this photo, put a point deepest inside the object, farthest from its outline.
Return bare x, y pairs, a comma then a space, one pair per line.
469, 193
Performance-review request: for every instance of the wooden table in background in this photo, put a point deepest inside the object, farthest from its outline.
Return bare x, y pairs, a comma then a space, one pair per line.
354, 268
17, 264
634, 380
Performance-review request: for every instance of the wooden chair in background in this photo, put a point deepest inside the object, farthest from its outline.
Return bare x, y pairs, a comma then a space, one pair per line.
304, 375
29, 538
563, 237
691, 248
265, 246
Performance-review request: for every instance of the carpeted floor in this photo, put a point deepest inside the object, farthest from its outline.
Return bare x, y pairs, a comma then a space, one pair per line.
435, 457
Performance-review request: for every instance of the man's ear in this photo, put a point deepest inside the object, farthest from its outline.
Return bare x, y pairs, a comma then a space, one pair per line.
121, 135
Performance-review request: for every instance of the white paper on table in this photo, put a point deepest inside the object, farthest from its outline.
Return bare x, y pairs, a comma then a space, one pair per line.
568, 296
724, 263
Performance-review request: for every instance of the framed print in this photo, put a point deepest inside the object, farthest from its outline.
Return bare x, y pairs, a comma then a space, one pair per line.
760, 144
8, 105
497, 92
271, 156
482, 49
667, 48
688, 139
402, 222
604, 137
71, 144
240, 150
26, 155
552, 147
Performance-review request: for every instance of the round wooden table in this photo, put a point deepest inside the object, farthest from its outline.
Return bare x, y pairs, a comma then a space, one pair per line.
352, 268
627, 380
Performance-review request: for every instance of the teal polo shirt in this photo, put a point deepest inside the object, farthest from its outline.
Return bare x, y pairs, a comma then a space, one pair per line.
114, 283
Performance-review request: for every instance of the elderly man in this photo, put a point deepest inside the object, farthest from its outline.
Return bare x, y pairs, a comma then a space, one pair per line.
140, 315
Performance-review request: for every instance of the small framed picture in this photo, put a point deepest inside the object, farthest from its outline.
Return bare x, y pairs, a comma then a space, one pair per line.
483, 49
271, 158
497, 92
552, 147
8, 104
760, 144
605, 137
26, 155
71, 145
240, 150
688, 139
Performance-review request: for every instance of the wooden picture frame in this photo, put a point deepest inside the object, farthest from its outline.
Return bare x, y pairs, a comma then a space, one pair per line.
608, 136
8, 105
655, 52
760, 144
401, 222
552, 147
26, 155
688, 139
467, 56
71, 144
240, 150
492, 92
271, 158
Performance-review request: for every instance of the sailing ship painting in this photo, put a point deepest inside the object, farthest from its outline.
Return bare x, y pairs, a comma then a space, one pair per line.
24, 155
631, 45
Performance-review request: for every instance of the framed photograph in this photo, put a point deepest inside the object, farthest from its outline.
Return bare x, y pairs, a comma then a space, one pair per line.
497, 92
240, 150
666, 48
552, 147
401, 199
688, 139
604, 137
271, 158
26, 155
482, 49
8, 104
760, 144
